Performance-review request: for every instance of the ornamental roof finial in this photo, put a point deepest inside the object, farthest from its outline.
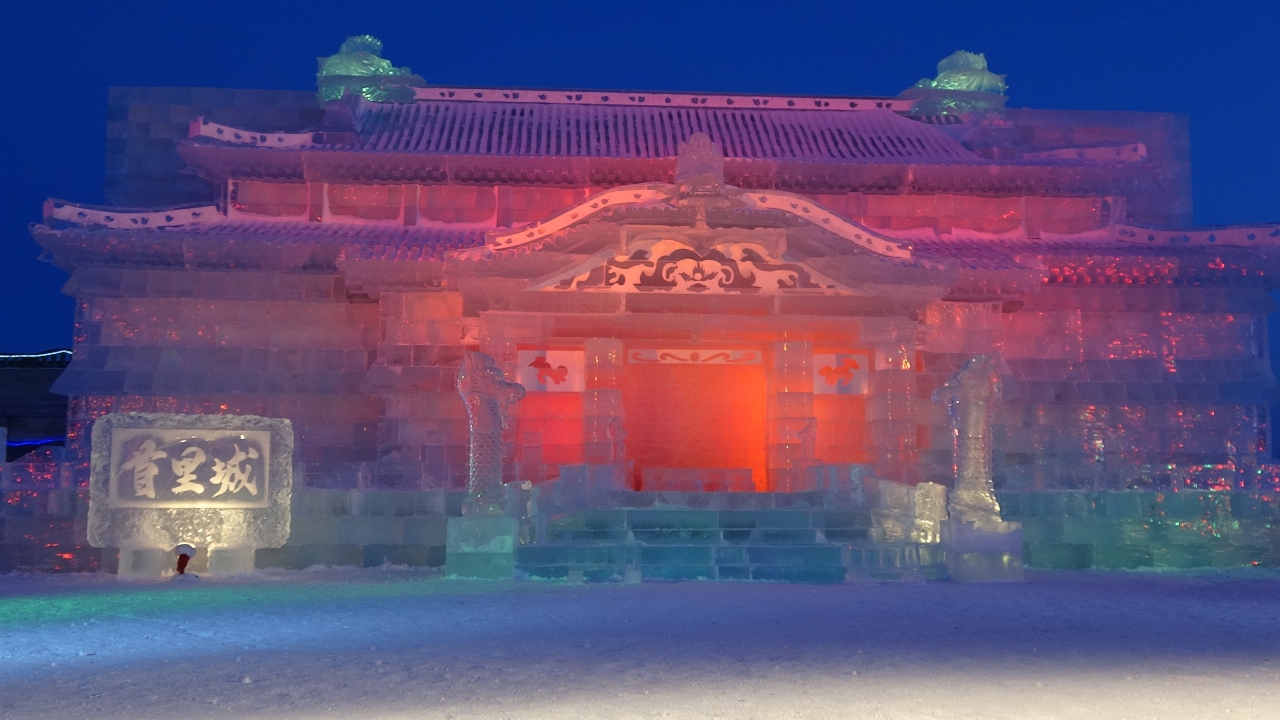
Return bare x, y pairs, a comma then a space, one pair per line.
699, 156
359, 69
963, 85
700, 166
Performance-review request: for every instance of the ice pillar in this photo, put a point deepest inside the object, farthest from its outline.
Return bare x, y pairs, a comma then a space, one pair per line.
971, 396
602, 415
980, 546
790, 415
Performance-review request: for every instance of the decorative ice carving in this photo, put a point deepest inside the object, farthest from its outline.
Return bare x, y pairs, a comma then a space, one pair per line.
357, 68
965, 71
671, 265
700, 166
486, 395
551, 370
248, 459
971, 396
963, 85
842, 373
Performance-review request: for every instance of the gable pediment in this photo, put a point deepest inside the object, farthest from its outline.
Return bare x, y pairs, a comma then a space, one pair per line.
709, 262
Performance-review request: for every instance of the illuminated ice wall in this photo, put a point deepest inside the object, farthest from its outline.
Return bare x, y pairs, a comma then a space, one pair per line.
697, 293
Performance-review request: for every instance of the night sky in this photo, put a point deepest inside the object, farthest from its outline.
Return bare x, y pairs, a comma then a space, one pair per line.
1218, 62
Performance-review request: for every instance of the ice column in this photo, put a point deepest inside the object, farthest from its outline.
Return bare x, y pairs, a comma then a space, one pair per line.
971, 396
790, 415
486, 395
602, 433
980, 546
891, 418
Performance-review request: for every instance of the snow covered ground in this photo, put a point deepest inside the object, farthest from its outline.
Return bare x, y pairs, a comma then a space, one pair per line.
398, 643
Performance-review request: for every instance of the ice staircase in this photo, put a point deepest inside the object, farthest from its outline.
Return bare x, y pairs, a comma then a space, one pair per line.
782, 537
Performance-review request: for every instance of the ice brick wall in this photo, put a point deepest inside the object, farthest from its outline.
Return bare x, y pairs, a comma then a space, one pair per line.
457, 206
1113, 388
957, 214
144, 124
513, 205
365, 528
1135, 529
44, 516
276, 344
1159, 193
422, 433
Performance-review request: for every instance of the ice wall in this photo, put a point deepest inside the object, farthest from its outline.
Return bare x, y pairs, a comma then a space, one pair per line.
1114, 388
275, 344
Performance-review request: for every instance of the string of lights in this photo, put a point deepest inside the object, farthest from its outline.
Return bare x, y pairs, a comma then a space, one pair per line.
42, 441
35, 356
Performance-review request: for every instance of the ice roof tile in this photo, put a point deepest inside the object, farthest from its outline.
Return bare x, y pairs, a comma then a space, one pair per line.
601, 131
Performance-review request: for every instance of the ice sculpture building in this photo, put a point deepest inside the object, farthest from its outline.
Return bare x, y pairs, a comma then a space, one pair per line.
746, 299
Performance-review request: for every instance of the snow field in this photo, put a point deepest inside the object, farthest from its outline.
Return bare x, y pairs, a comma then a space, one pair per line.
400, 643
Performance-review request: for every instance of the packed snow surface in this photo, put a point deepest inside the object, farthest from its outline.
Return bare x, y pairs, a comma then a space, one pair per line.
399, 643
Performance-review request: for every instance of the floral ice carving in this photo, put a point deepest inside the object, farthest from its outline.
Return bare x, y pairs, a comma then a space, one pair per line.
486, 395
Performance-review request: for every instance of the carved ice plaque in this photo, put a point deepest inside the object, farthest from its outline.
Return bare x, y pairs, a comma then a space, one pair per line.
208, 480
189, 468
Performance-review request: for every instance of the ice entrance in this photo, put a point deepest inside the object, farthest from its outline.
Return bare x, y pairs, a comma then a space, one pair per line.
696, 426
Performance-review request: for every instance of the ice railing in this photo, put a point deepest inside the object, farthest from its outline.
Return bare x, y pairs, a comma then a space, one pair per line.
202, 127
631, 98
79, 214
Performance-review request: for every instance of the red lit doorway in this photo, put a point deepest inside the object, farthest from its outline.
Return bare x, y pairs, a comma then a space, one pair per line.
696, 416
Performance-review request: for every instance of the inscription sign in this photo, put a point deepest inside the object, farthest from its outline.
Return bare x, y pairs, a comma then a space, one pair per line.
197, 468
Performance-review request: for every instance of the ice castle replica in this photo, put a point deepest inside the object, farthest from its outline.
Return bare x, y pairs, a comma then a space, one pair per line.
757, 337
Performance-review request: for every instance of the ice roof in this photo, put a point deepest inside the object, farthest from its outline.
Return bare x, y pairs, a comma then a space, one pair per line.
445, 127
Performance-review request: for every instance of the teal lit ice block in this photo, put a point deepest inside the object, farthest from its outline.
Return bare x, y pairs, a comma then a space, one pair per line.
480, 547
991, 553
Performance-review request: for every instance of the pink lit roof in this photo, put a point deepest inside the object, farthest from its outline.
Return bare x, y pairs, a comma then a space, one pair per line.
603, 131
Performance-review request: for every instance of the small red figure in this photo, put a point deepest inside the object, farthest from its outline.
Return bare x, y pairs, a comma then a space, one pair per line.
184, 552
842, 373
545, 370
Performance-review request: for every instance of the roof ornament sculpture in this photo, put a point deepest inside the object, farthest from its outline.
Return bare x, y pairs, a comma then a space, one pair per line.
700, 175
699, 161
963, 85
359, 69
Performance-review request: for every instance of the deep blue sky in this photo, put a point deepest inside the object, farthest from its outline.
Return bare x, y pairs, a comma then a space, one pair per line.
1218, 62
